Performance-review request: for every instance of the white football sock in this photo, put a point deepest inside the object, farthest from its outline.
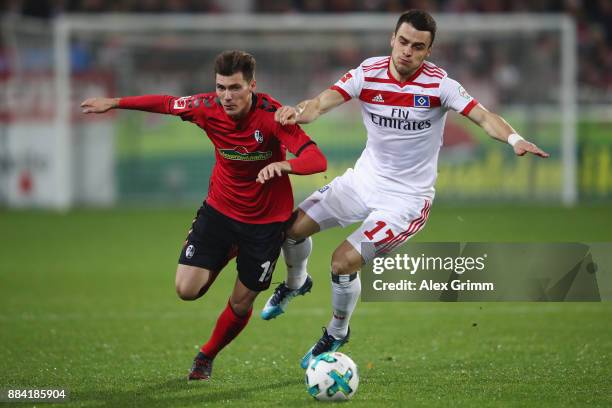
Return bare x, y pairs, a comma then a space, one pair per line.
296, 257
345, 294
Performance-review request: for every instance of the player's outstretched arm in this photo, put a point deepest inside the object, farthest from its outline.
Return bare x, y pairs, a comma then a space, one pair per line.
165, 104
310, 109
99, 105
499, 129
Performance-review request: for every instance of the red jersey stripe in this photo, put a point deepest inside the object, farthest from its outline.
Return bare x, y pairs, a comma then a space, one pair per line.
389, 98
378, 65
432, 68
468, 108
432, 75
384, 60
381, 80
342, 92
433, 71
375, 68
392, 81
432, 85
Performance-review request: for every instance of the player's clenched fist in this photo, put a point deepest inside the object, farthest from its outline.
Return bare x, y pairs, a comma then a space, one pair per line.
272, 170
99, 105
286, 115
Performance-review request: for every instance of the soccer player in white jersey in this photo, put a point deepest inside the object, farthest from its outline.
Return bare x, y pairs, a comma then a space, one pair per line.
404, 101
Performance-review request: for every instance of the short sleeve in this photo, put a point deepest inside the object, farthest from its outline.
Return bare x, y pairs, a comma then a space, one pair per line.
454, 96
350, 84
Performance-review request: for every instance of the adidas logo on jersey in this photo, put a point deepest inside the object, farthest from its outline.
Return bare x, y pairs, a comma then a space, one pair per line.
378, 98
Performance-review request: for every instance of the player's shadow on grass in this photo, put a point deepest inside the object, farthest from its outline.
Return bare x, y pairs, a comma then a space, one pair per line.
172, 393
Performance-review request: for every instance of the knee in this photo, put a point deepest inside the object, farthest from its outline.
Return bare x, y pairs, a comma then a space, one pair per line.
302, 226
295, 233
341, 265
346, 260
186, 292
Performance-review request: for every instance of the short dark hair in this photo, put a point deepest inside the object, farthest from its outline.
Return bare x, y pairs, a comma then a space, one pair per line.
419, 19
231, 62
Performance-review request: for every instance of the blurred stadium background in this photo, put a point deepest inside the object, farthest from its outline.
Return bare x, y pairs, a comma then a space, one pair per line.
545, 65
86, 295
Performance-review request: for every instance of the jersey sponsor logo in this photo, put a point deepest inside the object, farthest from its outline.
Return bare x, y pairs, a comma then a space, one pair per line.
324, 189
189, 251
258, 136
346, 77
399, 124
241, 153
464, 93
421, 101
181, 103
378, 98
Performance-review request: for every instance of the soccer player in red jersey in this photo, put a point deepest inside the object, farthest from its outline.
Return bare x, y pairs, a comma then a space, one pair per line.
249, 201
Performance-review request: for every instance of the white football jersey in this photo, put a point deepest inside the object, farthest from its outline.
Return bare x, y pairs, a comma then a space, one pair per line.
404, 122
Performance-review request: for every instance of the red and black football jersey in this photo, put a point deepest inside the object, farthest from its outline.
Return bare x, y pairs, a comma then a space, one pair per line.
242, 149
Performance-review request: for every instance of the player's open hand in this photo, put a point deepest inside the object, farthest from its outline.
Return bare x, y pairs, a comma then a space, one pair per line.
286, 115
99, 105
523, 146
273, 170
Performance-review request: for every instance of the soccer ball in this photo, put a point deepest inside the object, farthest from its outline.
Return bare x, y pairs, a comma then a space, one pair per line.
332, 377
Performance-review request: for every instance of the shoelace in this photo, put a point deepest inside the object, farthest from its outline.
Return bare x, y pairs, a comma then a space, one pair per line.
324, 344
280, 292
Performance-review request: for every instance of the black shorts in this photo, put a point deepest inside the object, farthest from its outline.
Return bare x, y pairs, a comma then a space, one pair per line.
215, 238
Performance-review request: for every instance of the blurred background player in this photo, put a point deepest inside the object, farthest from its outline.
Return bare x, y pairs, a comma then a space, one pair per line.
405, 100
249, 199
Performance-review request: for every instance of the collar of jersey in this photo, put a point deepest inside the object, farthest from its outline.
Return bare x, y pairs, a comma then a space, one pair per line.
409, 80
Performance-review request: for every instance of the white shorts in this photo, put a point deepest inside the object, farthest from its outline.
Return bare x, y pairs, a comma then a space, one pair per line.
385, 224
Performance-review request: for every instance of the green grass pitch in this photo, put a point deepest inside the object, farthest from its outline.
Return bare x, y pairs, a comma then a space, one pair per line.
87, 303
